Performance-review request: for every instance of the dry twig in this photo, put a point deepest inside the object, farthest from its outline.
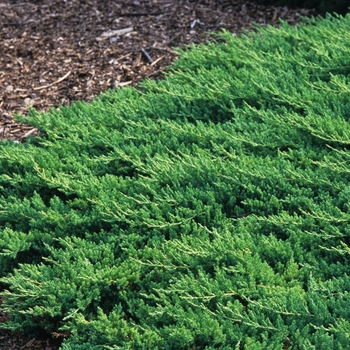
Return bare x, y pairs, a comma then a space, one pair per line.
54, 83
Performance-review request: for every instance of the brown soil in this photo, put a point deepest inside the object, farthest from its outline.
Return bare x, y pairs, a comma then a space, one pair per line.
54, 52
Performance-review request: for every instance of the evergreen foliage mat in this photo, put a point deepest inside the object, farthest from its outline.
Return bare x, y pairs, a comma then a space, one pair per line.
209, 210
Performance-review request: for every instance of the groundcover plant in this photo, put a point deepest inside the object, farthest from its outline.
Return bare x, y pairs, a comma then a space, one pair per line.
207, 210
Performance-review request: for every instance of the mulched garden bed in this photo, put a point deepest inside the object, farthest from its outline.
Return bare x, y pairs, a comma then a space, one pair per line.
54, 52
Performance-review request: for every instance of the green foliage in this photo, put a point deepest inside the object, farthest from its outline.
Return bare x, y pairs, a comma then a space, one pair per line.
208, 210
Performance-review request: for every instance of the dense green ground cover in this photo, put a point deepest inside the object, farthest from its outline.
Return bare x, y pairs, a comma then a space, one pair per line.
209, 210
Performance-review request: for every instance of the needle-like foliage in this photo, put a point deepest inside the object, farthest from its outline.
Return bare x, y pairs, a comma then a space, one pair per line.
207, 210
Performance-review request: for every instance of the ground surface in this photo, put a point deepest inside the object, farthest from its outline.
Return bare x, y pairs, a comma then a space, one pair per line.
54, 52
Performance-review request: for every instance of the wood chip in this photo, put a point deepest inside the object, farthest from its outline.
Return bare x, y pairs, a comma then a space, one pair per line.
54, 83
125, 83
30, 132
111, 33
157, 60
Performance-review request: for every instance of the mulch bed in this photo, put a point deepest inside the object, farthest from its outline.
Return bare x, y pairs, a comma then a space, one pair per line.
54, 52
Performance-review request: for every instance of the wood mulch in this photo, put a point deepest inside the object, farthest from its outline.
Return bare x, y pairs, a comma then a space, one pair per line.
54, 52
